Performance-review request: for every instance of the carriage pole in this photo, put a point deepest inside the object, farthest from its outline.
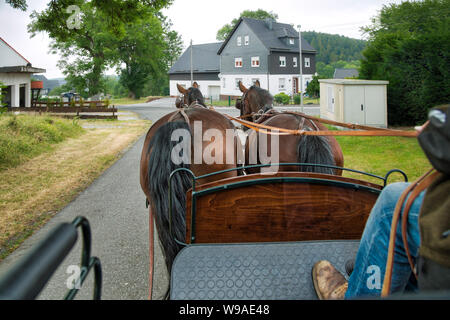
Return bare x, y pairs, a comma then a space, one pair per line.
301, 65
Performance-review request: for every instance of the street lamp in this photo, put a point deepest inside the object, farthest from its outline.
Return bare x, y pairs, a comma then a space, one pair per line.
192, 67
301, 64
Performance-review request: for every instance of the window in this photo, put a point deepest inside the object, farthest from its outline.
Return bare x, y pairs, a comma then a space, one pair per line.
282, 61
255, 62
307, 62
239, 41
294, 61
291, 41
237, 82
238, 62
282, 83
246, 40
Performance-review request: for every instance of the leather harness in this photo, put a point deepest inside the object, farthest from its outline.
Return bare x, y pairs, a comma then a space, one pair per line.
151, 230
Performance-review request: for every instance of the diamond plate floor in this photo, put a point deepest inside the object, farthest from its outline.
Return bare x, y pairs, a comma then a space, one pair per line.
260, 271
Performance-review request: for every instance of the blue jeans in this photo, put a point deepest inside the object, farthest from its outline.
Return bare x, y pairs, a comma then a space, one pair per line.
368, 274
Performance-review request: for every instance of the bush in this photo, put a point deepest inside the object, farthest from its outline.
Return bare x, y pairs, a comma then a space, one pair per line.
297, 99
282, 98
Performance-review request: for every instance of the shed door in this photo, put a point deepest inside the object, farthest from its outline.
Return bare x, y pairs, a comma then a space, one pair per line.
331, 99
214, 92
374, 105
354, 104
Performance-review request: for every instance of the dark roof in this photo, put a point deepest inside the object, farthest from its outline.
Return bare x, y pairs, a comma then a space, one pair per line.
272, 38
21, 69
345, 73
204, 59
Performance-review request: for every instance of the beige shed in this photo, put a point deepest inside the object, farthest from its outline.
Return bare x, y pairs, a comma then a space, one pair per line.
354, 101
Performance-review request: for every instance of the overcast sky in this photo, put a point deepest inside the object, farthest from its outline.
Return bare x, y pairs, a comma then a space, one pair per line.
199, 20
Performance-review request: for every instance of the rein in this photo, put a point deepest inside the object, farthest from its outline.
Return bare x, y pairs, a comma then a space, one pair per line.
413, 191
368, 131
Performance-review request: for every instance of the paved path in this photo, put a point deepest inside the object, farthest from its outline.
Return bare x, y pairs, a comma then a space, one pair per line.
115, 207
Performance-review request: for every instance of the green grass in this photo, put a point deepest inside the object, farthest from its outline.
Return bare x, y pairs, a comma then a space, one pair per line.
23, 137
127, 101
378, 155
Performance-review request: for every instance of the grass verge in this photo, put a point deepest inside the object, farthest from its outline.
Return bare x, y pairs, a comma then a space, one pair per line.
127, 101
34, 191
378, 155
23, 137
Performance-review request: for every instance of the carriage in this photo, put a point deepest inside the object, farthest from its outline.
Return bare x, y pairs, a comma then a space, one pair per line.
227, 235
247, 237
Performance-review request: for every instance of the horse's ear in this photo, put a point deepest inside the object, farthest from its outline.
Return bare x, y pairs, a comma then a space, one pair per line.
195, 85
257, 84
181, 89
242, 87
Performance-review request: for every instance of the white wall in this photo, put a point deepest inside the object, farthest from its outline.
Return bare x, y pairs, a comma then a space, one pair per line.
230, 87
15, 80
10, 58
203, 86
268, 82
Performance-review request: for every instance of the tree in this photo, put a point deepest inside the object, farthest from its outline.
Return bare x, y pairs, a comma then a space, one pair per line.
119, 12
139, 52
260, 14
409, 47
18, 4
147, 51
88, 47
313, 89
332, 47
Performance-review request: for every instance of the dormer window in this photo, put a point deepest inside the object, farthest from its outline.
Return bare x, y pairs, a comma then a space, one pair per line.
291, 41
246, 40
282, 61
239, 41
238, 62
255, 62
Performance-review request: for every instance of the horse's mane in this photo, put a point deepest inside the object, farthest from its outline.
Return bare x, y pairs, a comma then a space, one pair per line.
195, 94
264, 98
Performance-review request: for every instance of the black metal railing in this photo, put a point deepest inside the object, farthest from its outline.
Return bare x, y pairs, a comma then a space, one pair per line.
27, 278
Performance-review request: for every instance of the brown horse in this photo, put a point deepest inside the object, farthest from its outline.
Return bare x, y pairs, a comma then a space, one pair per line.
189, 96
294, 149
157, 164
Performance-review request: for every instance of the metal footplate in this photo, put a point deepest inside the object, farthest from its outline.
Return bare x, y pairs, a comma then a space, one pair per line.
255, 271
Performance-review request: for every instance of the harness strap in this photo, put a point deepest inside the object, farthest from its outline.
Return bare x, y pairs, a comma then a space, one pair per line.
415, 189
183, 114
151, 233
369, 131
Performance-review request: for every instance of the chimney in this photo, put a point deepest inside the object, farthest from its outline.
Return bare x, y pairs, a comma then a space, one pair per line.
269, 23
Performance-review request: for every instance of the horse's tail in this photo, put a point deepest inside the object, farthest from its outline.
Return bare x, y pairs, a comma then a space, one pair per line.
160, 166
315, 150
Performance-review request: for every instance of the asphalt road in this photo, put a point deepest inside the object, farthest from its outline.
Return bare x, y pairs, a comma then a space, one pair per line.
115, 207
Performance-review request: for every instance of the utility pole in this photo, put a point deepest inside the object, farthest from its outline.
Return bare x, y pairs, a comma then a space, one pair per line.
301, 64
192, 68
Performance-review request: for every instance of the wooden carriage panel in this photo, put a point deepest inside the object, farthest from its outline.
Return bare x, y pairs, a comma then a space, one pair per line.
322, 207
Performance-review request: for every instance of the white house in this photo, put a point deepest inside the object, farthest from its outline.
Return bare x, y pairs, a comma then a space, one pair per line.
205, 67
266, 51
15, 74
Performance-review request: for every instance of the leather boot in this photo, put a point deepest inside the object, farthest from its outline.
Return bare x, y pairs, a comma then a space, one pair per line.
329, 283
